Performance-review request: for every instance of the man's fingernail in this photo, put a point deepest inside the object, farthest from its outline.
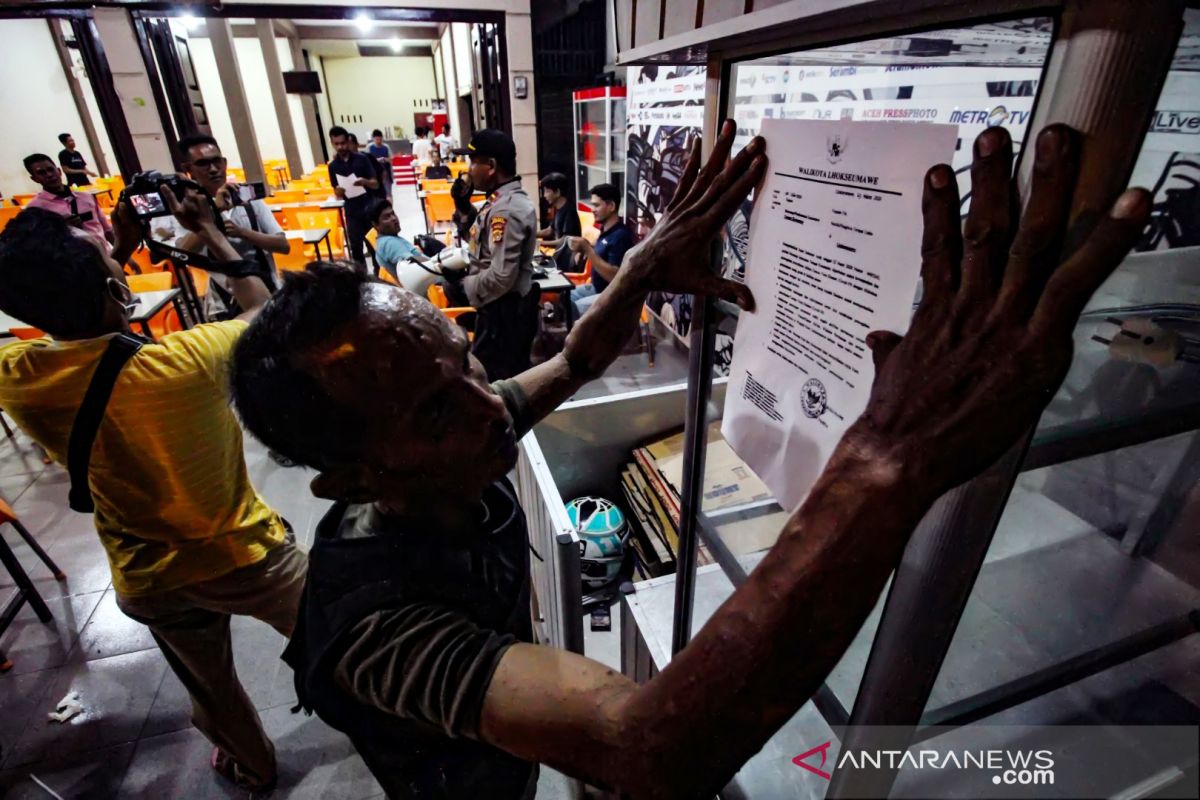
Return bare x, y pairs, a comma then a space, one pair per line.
987, 143
1049, 145
1129, 205
756, 144
938, 178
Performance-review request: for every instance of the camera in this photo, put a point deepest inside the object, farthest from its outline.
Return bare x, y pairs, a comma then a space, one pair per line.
143, 196
250, 191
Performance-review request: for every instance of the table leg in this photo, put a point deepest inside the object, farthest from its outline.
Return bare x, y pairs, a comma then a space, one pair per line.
183, 318
146, 329
568, 309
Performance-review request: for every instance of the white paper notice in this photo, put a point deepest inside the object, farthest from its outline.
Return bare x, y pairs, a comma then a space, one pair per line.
347, 183
835, 253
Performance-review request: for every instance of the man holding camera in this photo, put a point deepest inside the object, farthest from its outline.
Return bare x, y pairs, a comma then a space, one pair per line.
503, 236
81, 210
248, 224
188, 539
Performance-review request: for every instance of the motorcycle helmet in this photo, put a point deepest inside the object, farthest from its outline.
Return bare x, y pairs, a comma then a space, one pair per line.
603, 533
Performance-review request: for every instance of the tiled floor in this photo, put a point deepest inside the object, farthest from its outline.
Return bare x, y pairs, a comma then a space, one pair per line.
133, 738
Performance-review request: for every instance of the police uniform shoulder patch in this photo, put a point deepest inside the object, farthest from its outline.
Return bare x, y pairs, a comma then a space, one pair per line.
498, 226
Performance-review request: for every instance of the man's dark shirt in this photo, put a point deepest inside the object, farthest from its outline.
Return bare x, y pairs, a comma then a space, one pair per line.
612, 246
424, 661
437, 172
566, 221
360, 166
74, 160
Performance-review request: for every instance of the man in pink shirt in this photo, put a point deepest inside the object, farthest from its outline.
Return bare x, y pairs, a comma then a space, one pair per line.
80, 209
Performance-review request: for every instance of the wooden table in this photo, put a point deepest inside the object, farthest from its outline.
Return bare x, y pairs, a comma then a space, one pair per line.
313, 236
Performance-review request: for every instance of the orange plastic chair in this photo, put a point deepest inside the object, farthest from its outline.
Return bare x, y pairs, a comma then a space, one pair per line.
296, 258
439, 208
146, 263
435, 185
27, 333
323, 218
580, 278
151, 281
288, 196
167, 320
22, 199
437, 295
290, 220
26, 592
8, 213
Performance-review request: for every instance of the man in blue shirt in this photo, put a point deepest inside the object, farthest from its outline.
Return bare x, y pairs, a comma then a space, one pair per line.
390, 247
606, 255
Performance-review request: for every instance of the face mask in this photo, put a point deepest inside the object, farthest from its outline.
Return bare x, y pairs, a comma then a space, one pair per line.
124, 296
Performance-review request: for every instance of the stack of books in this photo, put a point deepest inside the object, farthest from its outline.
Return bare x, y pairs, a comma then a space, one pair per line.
652, 483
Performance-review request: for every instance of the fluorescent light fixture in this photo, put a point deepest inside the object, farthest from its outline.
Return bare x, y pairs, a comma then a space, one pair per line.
396, 45
363, 21
189, 21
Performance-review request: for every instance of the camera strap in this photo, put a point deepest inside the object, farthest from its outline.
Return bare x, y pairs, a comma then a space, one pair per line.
120, 349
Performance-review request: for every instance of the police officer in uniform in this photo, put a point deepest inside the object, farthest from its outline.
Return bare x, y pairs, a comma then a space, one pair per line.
503, 235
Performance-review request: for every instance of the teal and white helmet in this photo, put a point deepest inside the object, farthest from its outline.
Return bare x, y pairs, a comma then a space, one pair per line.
603, 533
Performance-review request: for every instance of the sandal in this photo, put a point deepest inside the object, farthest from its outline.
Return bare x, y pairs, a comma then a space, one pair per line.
229, 769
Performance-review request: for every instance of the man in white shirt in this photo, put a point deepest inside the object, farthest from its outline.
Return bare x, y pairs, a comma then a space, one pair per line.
250, 226
422, 146
446, 143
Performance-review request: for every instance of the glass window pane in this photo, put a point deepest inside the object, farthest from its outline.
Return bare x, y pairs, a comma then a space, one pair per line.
975, 78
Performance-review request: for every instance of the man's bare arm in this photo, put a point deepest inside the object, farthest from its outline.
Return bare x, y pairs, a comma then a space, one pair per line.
675, 257
988, 346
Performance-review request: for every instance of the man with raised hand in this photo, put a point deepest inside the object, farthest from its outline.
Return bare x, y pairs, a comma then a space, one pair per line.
415, 638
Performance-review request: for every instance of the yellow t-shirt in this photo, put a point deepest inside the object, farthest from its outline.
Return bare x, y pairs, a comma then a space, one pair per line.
174, 504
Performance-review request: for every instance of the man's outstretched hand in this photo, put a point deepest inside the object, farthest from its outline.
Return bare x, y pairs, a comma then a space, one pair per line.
992, 338
675, 257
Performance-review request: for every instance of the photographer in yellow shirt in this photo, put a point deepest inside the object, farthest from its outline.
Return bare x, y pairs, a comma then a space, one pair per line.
189, 541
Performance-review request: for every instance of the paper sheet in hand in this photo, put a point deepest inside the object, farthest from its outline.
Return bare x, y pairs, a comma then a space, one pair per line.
835, 253
347, 183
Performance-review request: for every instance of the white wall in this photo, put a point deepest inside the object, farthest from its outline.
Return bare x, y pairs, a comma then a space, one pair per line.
35, 102
295, 108
214, 98
381, 89
258, 95
453, 90
323, 109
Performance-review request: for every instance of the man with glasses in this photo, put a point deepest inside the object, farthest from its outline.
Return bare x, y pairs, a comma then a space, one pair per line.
81, 210
188, 539
249, 225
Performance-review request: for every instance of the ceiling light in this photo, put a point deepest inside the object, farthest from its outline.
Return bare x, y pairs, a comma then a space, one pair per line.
189, 21
364, 22
396, 45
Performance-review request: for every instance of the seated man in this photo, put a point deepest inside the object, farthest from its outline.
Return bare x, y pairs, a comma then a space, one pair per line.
415, 638
390, 247
189, 541
437, 171
565, 221
608, 252
81, 210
